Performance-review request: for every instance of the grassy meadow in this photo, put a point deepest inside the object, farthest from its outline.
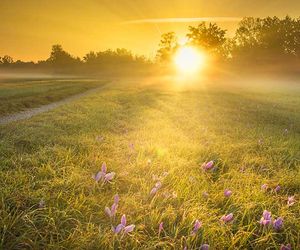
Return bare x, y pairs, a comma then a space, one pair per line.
18, 95
151, 131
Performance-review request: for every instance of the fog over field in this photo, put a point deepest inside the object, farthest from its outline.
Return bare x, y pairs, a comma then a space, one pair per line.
150, 125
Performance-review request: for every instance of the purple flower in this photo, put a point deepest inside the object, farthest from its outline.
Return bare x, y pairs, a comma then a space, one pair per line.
160, 227
158, 184
277, 188
207, 165
197, 226
227, 193
227, 218
291, 201
122, 226
118, 229
129, 229
286, 247
204, 247
278, 223
101, 174
116, 199
97, 177
264, 187
123, 220
112, 211
155, 188
104, 168
108, 177
153, 191
266, 218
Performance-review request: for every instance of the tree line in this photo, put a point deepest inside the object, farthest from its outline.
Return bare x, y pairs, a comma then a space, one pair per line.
60, 61
256, 40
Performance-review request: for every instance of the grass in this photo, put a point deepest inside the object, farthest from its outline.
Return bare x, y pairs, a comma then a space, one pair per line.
241, 128
19, 95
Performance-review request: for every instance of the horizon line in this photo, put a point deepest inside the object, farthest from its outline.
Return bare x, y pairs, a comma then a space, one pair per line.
183, 20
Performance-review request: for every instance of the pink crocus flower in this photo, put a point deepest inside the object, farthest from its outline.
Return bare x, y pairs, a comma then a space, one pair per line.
227, 193
160, 227
266, 219
207, 165
286, 247
277, 188
156, 187
278, 223
204, 247
101, 174
291, 201
108, 177
264, 187
227, 218
111, 212
122, 226
196, 227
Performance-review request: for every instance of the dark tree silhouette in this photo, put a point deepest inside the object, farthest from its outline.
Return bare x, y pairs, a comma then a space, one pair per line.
167, 46
209, 37
6, 60
268, 37
60, 58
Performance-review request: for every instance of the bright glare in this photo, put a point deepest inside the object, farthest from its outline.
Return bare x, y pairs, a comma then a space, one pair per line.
189, 60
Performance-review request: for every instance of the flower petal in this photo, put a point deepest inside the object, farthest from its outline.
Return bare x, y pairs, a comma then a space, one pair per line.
123, 220
129, 228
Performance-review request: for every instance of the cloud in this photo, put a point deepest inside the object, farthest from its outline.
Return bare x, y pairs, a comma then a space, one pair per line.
184, 20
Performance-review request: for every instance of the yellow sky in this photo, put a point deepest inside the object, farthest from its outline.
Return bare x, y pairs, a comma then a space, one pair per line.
28, 28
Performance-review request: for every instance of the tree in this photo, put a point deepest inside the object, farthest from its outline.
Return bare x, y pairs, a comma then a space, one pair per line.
211, 37
6, 60
61, 58
268, 37
167, 46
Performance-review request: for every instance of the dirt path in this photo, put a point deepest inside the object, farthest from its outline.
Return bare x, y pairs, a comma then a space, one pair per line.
44, 108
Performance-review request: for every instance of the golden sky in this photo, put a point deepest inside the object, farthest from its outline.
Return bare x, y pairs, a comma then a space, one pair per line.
28, 28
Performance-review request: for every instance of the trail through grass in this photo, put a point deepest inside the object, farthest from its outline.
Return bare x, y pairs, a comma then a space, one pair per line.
19, 95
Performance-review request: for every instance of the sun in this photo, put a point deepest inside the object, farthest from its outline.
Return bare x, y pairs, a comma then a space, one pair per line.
189, 60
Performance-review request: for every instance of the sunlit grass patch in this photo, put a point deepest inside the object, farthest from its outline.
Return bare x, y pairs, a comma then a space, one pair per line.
148, 136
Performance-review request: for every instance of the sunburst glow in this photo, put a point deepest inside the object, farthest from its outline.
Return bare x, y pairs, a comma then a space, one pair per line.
189, 60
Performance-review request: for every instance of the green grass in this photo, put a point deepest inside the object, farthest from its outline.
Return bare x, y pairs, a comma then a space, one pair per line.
20, 95
52, 157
